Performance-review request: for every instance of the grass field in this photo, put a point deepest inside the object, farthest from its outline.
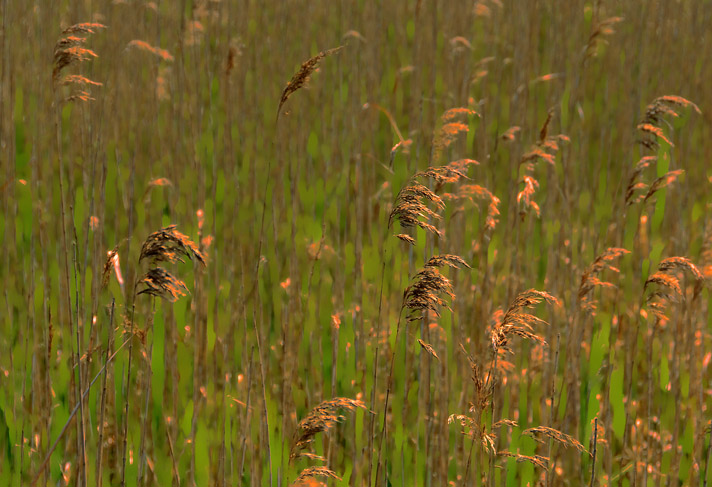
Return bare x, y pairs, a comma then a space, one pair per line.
418, 243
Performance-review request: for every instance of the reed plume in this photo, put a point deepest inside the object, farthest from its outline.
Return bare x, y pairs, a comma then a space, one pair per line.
650, 125
556, 435
428, 285
517, 322
536, 460
312, 472
453, 123
590, 279
411, 204
302, 75
544, 149
68, 51
320, 419
668, 282
170, 245
146, 47
599, 32
161, 283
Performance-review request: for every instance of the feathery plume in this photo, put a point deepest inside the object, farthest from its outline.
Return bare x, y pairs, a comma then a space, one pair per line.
556, 435
168, 244
314, 472
515, 321
302, 75
161, 283
320, 419
590, 280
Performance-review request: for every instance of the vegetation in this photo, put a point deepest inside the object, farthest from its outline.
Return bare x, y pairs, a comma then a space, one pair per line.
366, 243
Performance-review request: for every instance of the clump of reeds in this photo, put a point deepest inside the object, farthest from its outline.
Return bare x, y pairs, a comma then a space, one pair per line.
424, 295
514, 322
472, 424
302, 75
319, 420
165, 245
638, 191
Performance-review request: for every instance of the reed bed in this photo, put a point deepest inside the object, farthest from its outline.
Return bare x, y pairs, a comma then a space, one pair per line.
305, 243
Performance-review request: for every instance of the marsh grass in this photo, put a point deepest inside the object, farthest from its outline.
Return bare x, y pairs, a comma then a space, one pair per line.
126, 360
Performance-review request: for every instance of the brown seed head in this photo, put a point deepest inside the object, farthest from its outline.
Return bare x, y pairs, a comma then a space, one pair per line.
321, 418
556, 435
302, 75
161, 283
311, 472
168, 244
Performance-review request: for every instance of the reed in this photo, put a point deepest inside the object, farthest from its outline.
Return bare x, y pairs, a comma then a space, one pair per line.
358, 229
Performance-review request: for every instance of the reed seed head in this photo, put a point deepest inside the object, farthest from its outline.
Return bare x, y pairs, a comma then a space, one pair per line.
170, 245
302, 75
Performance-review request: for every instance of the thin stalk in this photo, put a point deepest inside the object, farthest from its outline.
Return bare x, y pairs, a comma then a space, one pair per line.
469, 460
247, 414
372, 420
649, 400
24, 416
709, 453
264, 395
551, 411
147, 396
593, 467
126, 413
102, 407
45, 462
82, 453
472, 445
173, 457
256, 289
389, 384
492, 373
221, 460
128, 387
65, 254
